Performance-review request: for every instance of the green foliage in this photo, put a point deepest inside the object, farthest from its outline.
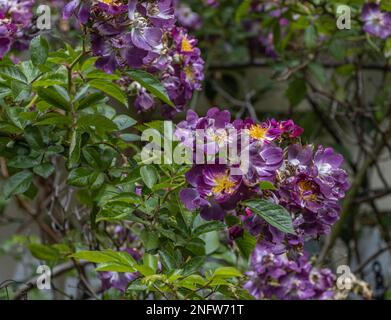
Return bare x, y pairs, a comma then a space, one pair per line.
272, 213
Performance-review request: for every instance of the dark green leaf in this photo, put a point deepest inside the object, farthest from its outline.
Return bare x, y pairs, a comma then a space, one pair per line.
53, 97
18, 183
208, 227
39, 50
193, 266
150, 83
44, 170
109, 88
149, 176
246, 244
123, 121
79, 177
272, 213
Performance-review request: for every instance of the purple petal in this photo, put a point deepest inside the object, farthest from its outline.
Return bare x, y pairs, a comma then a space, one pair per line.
214, 212
69, 9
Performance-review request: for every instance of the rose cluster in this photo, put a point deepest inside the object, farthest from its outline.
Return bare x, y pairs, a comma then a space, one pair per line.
307, 182
15, 20
276, 277
142, 35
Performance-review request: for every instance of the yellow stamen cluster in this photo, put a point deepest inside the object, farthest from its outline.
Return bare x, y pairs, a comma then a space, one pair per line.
189, 73
186, 45
111, 2
305, 186
224, 184
258, 132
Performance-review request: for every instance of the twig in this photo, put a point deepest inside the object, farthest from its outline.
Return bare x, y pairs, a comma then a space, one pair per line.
57, 271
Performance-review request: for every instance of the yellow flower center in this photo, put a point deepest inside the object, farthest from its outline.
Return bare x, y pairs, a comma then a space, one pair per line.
186, 45
189, 73
305, 187
225, 184
257, 132
111, 2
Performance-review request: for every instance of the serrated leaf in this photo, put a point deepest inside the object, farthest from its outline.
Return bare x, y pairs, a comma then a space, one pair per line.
18, 183
106, 256
272, 213
246, 244
208, 227
123, 122
110, 89
54, 97
167, 260
227, 272
150, 261
44, 252
79, 177
152, 85
74, 148
149, 176
193, 266
39, 50
44, 170
13, 73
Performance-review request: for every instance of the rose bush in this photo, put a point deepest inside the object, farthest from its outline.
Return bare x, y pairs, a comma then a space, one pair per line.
72, 135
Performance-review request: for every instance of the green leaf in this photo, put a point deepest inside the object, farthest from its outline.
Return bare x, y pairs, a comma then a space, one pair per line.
79, 177
129, 137
105, 257
195, 246
242, 10
167, 260
193, 265
227, 272
23, 162
208, 227
18, 183
34, 137
54, 119
93, 157
96, 179
246, 244
98, 121
310, 36
114, 267
267, 185
150, 83
44, 252
272, 213
54, 97
150, 240
39, 50
150, 261
387, 49
149, 176
123, 122
296, 91
44, 170
74, 148
109, 88
13, 73
318, 71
